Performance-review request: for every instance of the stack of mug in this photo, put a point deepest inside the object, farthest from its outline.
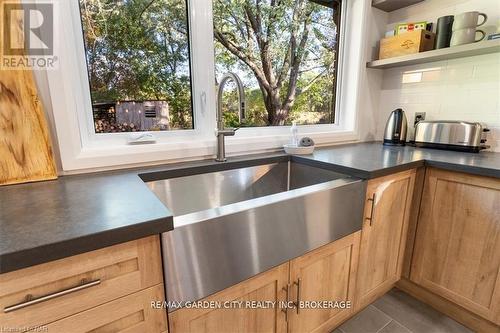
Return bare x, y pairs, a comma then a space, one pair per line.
459, 29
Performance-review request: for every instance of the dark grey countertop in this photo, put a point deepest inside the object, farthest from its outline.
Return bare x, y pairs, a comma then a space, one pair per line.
45, 221
372, 159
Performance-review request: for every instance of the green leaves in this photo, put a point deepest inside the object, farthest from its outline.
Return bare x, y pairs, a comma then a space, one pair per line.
138, 50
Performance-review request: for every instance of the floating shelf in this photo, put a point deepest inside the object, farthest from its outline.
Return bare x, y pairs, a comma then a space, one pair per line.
461, 51
391, 5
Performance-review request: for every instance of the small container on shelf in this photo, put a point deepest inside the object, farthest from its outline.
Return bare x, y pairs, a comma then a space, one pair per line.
406, 43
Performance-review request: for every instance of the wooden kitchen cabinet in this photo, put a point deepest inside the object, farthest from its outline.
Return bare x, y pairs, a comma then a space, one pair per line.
383, 237
326, 274
457, 246
80, 283
267, 286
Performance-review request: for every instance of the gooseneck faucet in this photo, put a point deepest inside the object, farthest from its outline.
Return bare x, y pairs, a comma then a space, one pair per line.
222, 132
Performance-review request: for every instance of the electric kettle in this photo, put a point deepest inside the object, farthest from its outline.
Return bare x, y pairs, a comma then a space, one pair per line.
396, 129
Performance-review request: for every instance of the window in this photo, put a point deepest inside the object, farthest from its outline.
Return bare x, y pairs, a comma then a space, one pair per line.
285, 52
138, 64
157, 57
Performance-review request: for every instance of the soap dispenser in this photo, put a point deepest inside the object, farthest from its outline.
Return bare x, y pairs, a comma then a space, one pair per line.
294, 138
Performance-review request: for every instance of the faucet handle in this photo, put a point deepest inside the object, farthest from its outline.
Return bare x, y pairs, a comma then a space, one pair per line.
226, 131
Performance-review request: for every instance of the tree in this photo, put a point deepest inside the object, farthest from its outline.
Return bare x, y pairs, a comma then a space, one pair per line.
138, 50
278, 40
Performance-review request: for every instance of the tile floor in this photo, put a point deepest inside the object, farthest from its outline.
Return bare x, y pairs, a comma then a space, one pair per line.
397, 312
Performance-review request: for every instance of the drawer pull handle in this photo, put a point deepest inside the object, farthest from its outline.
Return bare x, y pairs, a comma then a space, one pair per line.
31, 301
372, 199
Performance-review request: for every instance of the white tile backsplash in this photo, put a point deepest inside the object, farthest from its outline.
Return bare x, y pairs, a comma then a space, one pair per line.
459, 89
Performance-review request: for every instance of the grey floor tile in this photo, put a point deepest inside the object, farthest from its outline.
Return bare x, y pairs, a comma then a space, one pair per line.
415, 315
370, 320
394, 327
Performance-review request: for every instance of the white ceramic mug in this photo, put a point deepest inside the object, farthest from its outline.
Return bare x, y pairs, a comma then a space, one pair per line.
468, 20
466, 36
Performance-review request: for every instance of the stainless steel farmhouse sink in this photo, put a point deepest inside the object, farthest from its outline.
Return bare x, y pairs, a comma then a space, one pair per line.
232, 224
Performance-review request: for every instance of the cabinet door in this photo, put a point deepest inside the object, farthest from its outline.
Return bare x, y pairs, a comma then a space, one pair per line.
457, 248
326, 274
267, 286
383, 236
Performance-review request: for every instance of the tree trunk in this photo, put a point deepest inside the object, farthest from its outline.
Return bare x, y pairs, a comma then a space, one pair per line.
269, 81
277, 112
280, 117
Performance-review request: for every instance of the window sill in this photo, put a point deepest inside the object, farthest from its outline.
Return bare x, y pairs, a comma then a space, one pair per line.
115, 157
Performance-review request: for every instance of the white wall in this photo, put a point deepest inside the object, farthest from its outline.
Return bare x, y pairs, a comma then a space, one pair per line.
459, 89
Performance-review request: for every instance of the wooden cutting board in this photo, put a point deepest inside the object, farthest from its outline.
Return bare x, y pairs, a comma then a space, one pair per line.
25, 148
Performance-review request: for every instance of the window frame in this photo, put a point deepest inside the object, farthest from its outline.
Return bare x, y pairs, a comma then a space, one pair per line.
198, 88
81, 148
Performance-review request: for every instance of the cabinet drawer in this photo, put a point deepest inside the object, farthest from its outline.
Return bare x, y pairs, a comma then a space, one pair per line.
132, 313
68, 286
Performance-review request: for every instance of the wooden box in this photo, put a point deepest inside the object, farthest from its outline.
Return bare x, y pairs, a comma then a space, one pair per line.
407, 43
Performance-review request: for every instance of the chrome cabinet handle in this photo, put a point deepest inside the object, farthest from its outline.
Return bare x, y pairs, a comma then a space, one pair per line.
287, 291
297, 302
372, 199
31, 301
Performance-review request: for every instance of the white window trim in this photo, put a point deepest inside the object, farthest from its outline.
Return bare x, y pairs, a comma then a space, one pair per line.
80, 148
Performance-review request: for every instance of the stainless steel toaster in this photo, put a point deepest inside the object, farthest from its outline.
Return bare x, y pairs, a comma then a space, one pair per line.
451, 135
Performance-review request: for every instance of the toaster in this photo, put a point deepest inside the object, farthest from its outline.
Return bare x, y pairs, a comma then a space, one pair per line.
451, 135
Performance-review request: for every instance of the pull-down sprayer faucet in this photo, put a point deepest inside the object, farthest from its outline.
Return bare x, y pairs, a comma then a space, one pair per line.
221, 132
